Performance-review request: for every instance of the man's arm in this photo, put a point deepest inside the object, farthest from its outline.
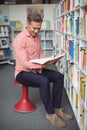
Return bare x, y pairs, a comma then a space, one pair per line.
21, 55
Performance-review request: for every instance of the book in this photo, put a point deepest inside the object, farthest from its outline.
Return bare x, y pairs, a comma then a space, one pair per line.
16, 25
76, 103
47, 59
72, 49
82, 86
83, 58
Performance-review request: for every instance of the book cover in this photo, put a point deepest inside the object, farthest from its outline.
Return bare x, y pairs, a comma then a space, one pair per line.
83, 54
6, 20
16, 25
77, 53
67, 5
77, 26
62, 24
85, 23
86, 97
82, 86
68, 24
1, 19
72, 23
81, 114
76, 100
72, 49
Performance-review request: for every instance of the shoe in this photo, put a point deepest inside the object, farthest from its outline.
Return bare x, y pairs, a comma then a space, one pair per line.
62, 115
55, 120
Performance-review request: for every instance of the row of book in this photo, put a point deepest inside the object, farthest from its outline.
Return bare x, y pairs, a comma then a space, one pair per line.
68, 5
71, 36
77, 53
4, 31
46, 34
78, 79
76, 100
74, 25
47, 44
5, 53
4, 20
76, 50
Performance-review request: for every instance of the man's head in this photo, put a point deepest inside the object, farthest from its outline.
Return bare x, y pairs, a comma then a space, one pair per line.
34, 21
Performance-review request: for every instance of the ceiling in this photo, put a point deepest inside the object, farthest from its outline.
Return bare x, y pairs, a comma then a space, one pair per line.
29, 1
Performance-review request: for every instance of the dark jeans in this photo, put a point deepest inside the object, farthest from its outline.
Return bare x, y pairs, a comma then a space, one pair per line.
42, 81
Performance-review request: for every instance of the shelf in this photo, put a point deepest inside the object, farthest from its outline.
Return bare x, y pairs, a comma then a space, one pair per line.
5, 50
70, 22
6, 62
47, 40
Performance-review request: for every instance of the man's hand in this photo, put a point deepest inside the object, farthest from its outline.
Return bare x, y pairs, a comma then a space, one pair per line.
48, 64
55, 61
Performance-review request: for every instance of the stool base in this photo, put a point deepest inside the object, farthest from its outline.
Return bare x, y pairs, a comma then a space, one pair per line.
24, 106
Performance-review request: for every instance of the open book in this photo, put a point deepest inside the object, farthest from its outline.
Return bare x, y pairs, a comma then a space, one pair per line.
47, 59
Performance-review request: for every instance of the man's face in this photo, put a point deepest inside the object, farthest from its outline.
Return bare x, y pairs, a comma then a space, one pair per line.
34, 28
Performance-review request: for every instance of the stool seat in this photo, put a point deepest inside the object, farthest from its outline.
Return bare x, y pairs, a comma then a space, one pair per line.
24, 104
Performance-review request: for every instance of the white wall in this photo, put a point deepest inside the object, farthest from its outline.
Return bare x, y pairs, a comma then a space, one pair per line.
4, 9
19, 12
49, 14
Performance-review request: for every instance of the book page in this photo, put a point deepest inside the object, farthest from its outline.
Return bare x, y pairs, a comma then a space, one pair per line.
58, 56
47, 59
41, 60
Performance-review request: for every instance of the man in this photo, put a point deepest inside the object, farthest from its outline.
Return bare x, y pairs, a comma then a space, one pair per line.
27, 46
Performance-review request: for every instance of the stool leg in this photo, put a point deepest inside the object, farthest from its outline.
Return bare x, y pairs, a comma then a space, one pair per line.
24, 105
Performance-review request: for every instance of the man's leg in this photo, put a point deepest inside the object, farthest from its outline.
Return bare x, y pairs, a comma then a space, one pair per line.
58, 82
43, 82
40, 81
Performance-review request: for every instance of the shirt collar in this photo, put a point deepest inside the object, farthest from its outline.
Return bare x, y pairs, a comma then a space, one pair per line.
28, 34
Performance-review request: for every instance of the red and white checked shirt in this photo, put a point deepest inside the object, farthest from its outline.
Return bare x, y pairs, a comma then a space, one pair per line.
25, 48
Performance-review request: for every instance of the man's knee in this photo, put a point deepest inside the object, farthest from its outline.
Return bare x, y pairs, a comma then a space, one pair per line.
60, 77
44, 82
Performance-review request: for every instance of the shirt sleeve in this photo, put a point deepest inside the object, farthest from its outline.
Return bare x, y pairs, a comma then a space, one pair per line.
21, 55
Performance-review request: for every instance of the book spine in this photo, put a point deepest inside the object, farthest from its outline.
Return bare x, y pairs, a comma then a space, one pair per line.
72, 49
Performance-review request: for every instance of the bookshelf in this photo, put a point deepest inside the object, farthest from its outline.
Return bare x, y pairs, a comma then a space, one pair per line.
5, 44
47, 41
46, 34
16, 27
70, 29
